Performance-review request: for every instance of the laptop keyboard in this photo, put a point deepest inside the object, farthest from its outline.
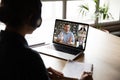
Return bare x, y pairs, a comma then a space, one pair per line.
64, 49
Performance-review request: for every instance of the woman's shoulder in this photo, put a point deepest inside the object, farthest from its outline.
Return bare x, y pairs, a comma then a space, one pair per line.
30, 53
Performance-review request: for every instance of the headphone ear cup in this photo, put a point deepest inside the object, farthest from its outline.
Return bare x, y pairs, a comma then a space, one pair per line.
39, 22
36, 21
33, 22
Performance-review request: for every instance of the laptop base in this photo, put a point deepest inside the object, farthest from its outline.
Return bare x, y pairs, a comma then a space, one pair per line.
49, 51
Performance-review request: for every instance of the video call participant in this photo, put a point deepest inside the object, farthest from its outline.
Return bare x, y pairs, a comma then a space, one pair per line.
81, 35
66, 36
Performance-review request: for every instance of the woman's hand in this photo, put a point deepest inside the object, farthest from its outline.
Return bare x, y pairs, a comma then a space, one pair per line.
86, 76
54, 74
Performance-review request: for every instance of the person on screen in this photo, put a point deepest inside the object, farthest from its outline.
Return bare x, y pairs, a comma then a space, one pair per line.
17, 60
81, 35
66, 36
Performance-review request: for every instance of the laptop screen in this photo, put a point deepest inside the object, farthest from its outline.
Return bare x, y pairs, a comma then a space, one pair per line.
69, 33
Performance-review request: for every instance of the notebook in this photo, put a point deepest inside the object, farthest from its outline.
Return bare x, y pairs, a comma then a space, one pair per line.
69, 40
74, 70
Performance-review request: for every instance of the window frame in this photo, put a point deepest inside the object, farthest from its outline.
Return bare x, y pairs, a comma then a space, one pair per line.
64, 12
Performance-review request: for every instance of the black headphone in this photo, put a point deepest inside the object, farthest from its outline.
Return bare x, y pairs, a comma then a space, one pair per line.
36, 21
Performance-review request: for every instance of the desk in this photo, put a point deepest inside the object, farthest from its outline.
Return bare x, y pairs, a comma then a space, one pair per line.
102, 50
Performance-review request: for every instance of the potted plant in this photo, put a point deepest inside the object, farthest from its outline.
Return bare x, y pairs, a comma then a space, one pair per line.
101, 12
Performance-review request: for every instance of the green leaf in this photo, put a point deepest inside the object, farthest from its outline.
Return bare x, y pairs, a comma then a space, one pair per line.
96, 1
84, 9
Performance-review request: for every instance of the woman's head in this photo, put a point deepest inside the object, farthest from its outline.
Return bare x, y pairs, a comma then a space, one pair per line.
17, 13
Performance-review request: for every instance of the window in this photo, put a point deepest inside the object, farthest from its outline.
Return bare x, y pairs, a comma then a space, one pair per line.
51, 10
73, 10
114, 8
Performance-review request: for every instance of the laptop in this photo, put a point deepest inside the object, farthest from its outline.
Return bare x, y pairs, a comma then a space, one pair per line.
69, 40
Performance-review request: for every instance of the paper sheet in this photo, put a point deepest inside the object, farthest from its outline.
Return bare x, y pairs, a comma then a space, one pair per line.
74, 69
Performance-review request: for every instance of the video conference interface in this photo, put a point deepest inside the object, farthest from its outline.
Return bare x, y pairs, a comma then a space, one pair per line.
70, 33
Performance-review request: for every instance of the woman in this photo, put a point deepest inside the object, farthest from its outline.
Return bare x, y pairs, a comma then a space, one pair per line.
17, 60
